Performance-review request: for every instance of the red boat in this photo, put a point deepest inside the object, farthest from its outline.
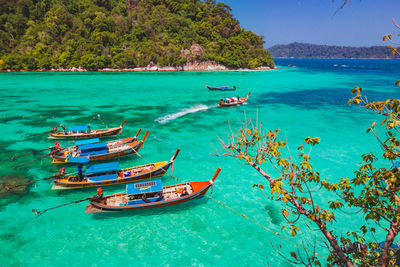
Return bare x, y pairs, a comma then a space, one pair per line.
232, 101
150, 194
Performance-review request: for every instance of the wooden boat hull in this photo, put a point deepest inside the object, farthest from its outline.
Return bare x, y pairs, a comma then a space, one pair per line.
197, 190
220, 89
160, 171
133, 149
92, 134
94, 207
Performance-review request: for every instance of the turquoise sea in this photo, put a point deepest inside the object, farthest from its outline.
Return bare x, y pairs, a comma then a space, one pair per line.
308, 99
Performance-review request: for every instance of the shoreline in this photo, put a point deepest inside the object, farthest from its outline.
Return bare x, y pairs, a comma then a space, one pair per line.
334, 58
148, 69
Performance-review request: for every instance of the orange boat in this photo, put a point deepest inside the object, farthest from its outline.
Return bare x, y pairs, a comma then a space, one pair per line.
85, 153
232, 101
85, 132
150, 194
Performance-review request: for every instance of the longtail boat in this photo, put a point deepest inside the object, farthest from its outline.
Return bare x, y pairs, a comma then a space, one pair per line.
150, 194
221, 88
85, 153
85, 132
232, 101
109, 174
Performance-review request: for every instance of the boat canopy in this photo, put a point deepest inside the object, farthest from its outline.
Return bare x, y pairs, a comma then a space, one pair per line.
93, 146
144, 187
87, 141
82, 160
103, 177
93, 149
104, 167
79, 128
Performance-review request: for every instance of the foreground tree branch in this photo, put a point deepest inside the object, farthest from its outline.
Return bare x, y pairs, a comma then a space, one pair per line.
375, 191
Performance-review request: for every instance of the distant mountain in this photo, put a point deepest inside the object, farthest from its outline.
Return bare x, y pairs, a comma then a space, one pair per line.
303, 50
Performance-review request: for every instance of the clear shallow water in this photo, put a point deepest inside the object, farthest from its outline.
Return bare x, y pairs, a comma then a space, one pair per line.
306, 100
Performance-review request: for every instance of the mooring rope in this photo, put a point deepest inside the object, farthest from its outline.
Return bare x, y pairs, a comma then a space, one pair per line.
253, 221
262, 226
249, 219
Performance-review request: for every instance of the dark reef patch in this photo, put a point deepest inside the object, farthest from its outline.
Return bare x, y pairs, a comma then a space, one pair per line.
274, 213
8, 183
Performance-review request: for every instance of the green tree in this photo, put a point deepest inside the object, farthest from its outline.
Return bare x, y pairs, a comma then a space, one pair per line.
77, 33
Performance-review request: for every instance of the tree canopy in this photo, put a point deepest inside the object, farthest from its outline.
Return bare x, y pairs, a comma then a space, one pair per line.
45, 34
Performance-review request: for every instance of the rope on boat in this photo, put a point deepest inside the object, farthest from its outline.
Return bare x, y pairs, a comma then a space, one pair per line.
148, 162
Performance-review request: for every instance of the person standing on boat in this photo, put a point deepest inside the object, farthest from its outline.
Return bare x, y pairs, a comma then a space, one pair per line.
63, 127
80, 172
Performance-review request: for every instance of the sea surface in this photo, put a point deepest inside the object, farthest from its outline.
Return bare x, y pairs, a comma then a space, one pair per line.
309, 98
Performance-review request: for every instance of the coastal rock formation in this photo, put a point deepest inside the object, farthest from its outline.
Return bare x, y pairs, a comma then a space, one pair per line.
193, 54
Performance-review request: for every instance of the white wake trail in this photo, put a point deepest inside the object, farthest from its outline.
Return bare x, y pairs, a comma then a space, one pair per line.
181, 113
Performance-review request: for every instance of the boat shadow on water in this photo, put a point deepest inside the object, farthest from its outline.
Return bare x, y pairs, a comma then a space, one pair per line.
182, 207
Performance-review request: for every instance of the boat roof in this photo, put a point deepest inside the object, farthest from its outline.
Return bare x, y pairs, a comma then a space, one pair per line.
82, 160
87, 141
93, 146
109, 166
79, 128
144, 187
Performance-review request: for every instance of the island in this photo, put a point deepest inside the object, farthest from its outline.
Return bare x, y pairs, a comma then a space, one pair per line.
126, 35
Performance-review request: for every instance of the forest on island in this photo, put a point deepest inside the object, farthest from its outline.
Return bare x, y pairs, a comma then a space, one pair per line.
96, 34
302, 50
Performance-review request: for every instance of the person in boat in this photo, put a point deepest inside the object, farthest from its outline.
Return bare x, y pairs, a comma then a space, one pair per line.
63, 127
80, 172
99, 193
234, 87
184, 192
89, 129
62, 172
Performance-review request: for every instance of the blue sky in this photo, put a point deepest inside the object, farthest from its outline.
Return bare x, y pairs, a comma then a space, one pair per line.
362, 23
